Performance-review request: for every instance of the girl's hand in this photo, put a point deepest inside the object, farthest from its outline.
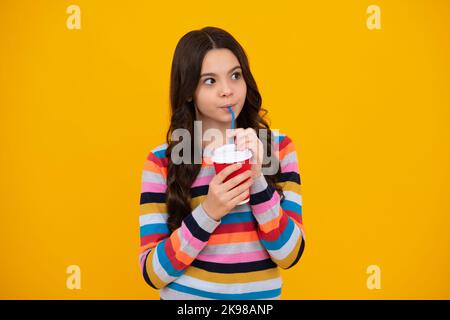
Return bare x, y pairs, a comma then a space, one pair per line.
224, 196
247, 139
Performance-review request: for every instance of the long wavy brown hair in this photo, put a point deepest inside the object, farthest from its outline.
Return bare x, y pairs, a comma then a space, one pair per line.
185, 75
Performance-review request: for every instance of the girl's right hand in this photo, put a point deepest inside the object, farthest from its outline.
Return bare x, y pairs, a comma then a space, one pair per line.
224, 196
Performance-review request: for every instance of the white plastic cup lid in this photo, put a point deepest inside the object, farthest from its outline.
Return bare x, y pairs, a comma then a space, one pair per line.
228, 154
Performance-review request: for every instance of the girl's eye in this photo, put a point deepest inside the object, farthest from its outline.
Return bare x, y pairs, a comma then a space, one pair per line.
236, 73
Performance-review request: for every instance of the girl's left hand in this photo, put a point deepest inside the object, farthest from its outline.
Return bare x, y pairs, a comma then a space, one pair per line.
247, 139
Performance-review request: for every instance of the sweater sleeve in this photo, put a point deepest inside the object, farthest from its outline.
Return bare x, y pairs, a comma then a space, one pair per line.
280, 224
163, 256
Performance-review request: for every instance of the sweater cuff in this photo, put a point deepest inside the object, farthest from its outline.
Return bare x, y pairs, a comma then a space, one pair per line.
259, 184
204, 220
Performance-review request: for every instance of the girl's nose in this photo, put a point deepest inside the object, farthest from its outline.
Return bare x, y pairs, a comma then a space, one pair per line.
225, 90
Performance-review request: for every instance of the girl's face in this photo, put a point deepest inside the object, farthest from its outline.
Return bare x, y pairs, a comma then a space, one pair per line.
221, 84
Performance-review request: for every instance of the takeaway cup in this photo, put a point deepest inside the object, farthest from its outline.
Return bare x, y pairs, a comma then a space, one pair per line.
227, 155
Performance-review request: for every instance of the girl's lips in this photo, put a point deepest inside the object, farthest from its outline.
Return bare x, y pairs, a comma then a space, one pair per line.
225, 107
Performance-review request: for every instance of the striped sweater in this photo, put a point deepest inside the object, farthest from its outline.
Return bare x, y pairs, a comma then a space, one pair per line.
235, 258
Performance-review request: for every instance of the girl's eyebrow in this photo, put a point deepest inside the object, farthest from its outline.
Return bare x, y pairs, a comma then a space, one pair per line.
213, 74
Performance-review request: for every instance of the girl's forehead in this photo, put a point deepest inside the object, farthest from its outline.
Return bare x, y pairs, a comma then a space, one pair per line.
217, 60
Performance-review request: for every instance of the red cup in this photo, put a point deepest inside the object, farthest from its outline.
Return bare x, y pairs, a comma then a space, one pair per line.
227, 155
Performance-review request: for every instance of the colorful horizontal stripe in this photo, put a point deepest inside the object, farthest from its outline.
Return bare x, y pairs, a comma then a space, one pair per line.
237, 257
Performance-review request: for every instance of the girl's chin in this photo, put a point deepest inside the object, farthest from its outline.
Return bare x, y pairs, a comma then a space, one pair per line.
220, 115
226, 112
226, 118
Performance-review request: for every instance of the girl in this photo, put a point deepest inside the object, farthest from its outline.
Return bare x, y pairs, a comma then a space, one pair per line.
196, 241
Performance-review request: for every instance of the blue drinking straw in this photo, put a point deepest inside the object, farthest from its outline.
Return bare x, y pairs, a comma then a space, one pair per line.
232, 122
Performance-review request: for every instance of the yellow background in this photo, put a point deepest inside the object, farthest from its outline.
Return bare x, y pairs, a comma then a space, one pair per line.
368, 111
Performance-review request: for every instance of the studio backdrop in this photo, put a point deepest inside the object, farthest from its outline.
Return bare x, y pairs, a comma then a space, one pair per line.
361, 87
